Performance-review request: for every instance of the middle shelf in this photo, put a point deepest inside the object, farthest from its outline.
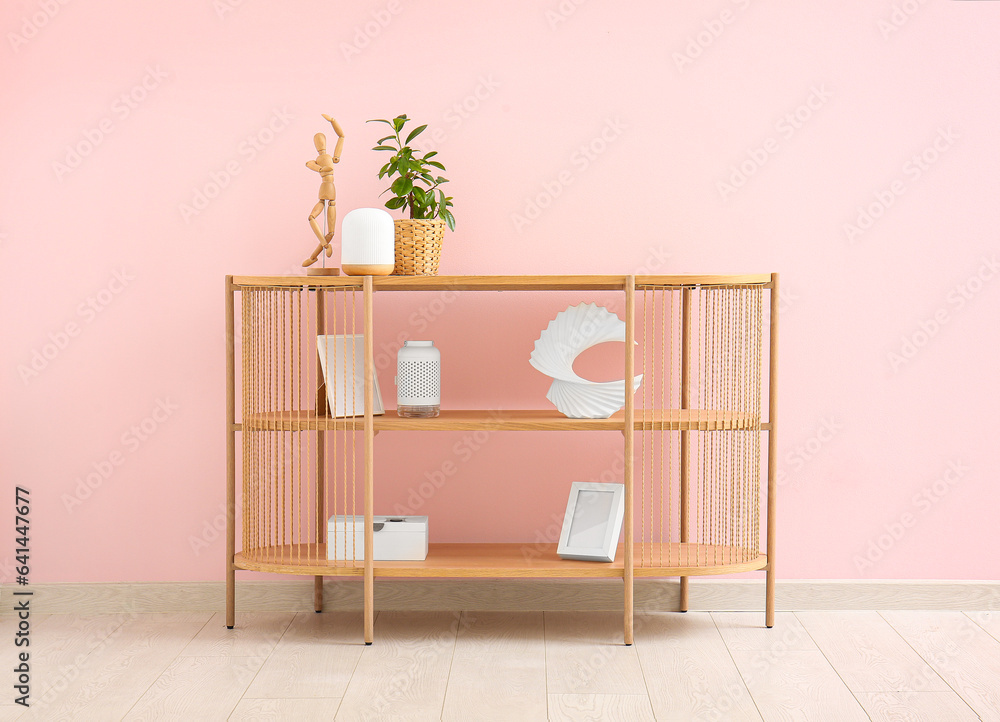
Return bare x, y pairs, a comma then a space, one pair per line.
509, 560
507, 420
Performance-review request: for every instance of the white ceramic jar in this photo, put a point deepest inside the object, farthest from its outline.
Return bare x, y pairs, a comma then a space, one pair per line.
418, 380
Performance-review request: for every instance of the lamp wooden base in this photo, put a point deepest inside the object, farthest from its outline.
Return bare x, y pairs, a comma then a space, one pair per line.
368, 269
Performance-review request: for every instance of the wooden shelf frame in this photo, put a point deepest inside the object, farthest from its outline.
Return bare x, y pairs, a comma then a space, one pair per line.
498, 283
499, 560
503, 420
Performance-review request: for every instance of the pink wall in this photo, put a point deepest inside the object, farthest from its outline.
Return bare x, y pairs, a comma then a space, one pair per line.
829, 107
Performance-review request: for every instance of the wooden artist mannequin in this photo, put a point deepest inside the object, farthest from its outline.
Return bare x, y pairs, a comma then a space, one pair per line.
327, 191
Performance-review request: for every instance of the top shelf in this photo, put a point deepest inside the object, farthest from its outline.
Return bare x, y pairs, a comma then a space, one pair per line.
499, 283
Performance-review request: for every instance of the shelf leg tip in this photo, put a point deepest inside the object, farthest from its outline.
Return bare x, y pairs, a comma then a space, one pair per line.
368, 644
228, 627
319, 611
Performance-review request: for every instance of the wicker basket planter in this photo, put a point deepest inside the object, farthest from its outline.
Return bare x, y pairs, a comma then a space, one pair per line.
418, 246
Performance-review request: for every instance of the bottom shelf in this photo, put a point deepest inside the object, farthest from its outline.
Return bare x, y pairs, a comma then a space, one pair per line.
509, 560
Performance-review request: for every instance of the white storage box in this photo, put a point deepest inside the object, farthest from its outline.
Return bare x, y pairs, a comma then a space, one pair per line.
396, 538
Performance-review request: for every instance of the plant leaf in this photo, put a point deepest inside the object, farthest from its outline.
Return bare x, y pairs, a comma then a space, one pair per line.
415, 132
433, 163
384, 147
402, 186
398, 122
449, 219
394, 203
379, 120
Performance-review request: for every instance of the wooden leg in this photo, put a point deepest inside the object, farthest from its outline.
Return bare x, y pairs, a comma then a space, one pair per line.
369, 610
318, 594
369, 462
231, 596
629, 454
769, 605
685, 440
772, 453
230, 454
629, 627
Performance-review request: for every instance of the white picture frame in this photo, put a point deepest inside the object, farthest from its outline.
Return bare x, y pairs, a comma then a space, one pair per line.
344, 355
593, 521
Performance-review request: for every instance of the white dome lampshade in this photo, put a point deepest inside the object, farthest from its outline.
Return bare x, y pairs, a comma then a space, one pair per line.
367, 243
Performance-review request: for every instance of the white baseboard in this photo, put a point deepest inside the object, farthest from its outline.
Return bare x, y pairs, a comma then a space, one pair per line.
512, 594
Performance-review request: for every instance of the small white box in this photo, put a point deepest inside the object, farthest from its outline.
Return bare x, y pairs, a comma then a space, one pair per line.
396, 538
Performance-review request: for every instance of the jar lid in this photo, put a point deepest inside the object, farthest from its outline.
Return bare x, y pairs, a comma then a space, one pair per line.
418, 343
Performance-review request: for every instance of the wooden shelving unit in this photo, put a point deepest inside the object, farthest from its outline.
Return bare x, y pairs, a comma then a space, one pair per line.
692, 433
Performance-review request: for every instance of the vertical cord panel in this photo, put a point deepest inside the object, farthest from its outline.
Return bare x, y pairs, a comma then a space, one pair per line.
664, 428
306, 390
758, 376
282, 357
354, 412
647, 382
245, 301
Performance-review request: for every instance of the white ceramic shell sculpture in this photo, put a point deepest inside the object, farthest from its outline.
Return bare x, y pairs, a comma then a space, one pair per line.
568, 335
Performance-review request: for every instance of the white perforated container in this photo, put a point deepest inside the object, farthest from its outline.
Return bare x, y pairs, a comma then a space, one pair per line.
418, 380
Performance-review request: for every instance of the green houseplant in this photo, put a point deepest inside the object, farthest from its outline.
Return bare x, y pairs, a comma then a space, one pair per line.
416, 190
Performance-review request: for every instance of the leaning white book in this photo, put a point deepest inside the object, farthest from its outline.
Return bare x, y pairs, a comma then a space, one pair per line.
342, 359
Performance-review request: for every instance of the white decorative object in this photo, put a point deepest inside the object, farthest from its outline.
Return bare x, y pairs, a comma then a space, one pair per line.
418, 380
368, 243
395, 538
568, 335
342, 359
593, 522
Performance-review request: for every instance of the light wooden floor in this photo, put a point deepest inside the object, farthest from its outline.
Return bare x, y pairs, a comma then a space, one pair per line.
520, 666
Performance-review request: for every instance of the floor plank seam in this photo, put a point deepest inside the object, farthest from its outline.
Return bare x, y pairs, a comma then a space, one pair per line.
281, 636
451, 663
928, 662
835, 670
976, 622
167, 666
715, 624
